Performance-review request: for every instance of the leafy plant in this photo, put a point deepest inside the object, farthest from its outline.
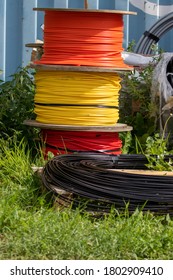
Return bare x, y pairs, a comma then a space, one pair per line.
131, 46
135, 104
156, 147
17, 104
126, 138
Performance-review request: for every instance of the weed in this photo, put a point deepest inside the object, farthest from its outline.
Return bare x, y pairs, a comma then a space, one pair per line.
126, 138
136, 107
17, 104
156, 147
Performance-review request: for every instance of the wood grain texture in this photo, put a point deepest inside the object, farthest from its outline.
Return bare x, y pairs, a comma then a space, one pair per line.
86, 10
34, 45
114, 128
144, 172
50, 67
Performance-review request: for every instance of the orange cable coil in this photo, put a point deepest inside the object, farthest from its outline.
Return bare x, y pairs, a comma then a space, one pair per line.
83, 39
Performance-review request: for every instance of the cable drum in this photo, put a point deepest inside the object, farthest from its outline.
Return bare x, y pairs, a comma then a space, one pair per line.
83, 39
77, 98
62, 142
98, 180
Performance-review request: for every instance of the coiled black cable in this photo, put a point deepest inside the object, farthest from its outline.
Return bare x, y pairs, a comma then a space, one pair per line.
94, 179
153, 35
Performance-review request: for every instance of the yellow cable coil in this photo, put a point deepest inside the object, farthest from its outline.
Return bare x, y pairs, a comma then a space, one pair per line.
77, 98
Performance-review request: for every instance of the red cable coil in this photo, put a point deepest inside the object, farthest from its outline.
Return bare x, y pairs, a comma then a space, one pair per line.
87, 39
63, 142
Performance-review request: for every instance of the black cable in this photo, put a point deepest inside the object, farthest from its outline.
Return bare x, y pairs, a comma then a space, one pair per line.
75, 105
153, 35
95, 179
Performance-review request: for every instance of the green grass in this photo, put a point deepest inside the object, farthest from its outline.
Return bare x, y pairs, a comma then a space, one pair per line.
30, 228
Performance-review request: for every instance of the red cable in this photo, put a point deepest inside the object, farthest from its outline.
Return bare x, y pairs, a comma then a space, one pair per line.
63, 142
83, 38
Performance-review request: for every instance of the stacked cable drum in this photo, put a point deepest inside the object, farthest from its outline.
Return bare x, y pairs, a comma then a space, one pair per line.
83, 38
78, 82
77, 98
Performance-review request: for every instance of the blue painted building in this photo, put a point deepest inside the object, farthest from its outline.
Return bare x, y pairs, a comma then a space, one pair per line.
20, 25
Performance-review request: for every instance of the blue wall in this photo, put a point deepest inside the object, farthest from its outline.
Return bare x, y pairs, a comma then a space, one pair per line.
20, 25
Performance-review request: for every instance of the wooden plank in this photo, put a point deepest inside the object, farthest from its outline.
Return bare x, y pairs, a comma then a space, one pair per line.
86, 10
114, 128
34, 45
143, 172
51, 67
131, 171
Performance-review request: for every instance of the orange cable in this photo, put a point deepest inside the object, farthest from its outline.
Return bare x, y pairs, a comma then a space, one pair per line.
83, 39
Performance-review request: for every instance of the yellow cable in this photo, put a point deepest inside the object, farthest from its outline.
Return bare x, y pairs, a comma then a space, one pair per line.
63, 90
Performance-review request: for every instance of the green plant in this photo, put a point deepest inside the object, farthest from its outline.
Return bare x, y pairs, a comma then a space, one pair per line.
136, 107
156, 147
126, 138
17, 104
135, 104
131, 46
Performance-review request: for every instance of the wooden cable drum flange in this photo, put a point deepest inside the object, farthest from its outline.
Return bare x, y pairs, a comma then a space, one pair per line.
86, 11
131, 171
34, 45
44, 67
113, 128
143, 172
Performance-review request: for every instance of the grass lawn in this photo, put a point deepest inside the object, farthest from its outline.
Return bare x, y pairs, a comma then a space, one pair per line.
30, 228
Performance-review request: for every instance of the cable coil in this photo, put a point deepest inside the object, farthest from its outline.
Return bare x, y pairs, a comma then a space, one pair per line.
153, 35
96, 179
83, 39
62, 142
77, 98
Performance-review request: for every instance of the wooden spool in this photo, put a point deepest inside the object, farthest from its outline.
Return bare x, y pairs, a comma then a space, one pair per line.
114, 128
43, 67
86, 10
